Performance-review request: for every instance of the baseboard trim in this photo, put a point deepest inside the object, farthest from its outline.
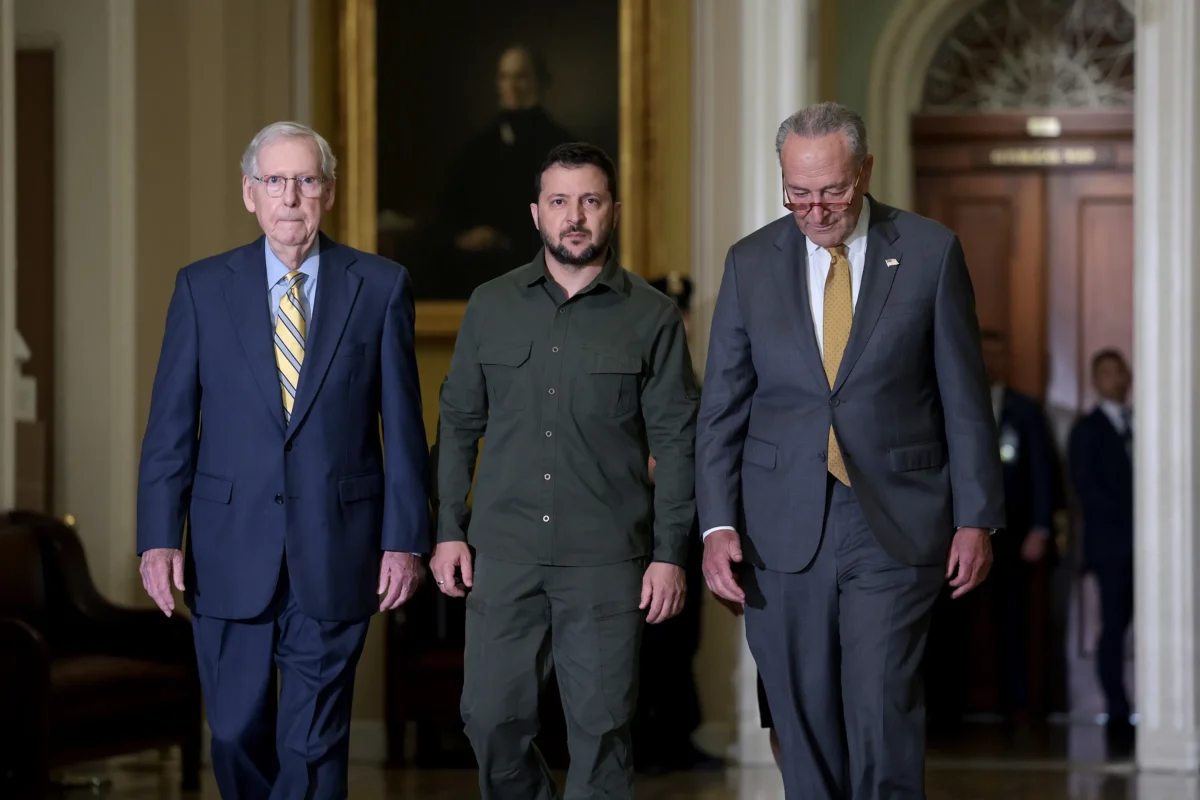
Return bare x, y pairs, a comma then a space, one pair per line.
368, 742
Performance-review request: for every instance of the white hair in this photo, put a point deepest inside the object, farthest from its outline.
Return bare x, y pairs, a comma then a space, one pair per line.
822, 119
288, 130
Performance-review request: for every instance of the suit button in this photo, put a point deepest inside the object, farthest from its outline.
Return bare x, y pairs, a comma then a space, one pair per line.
833, 401
821, 456
287, 448
279, 499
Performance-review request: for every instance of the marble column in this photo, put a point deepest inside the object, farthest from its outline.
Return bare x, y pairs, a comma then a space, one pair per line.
753, 65
1166, 399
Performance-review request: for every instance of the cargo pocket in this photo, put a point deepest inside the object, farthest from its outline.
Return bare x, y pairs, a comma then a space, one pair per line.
619, 629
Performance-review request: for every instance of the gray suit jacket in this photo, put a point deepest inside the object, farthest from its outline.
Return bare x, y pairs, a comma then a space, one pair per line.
910, 404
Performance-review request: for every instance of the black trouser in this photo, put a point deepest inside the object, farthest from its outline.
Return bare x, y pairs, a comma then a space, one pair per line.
524, 620
1115, 581
668, 700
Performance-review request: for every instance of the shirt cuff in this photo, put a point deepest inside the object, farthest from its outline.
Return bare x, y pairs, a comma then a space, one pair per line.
718, 528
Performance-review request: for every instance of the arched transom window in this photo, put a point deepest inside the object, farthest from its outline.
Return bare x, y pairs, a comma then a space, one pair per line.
1010, 55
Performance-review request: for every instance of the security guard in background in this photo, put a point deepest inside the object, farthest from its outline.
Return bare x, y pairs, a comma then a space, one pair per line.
669, 704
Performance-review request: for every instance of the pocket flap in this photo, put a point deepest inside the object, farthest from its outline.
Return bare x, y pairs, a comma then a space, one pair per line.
618, 362
614, 608
926, 455
505, 355
360, 487
760, 453
210, 487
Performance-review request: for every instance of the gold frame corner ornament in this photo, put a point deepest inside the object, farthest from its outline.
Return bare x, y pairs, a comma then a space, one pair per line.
655, 115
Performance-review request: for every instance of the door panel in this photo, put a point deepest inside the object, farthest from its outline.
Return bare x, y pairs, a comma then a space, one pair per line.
1091, 287
999, 219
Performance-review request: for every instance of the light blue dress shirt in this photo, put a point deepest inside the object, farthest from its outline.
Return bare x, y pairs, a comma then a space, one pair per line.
277, 283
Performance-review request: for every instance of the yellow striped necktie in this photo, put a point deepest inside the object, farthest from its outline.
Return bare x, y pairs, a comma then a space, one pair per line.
290, 330
835, 333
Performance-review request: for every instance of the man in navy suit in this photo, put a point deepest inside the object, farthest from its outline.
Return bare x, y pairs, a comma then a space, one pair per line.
1101, 461
278, 363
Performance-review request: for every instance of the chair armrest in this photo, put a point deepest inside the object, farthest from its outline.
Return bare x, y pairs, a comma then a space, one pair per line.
24, 709
91, 624
20, 643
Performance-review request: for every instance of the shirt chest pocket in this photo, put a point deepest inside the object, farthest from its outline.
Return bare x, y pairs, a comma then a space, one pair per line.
506, 372
610, 383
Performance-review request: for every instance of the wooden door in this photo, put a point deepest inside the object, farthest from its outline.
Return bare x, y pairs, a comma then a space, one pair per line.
998, 217
35, 137
1091, 287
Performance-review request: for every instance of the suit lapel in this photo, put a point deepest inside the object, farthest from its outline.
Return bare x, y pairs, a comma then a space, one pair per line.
248, 298
791, 276
876, 284
337, 288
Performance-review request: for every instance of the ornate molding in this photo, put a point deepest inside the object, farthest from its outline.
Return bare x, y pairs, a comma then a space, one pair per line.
1035, 54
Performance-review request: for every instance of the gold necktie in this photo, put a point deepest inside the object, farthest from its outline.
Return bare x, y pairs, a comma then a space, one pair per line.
839, 315
290, 330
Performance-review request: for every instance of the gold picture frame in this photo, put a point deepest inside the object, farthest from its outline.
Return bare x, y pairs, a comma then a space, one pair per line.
653, 159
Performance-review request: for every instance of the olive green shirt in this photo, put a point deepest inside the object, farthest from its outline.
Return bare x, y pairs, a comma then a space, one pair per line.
572, 397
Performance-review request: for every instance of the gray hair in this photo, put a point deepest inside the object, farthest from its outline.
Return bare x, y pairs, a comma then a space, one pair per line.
288, 130
822, 119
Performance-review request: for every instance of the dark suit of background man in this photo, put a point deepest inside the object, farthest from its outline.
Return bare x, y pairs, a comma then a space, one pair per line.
1101, 464
291, 349
845, 434
574, 371
1027, 456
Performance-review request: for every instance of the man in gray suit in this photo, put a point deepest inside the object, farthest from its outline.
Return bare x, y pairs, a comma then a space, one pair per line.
847, 452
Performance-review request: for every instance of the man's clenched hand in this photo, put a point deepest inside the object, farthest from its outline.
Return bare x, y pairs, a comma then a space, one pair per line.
399, 577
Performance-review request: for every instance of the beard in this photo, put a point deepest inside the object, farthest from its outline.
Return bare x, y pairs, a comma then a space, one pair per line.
586, 256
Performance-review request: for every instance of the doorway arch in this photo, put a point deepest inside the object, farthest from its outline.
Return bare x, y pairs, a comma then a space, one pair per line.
906, 47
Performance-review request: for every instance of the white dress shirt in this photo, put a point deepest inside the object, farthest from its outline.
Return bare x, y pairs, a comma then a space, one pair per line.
819, 261
1120, 416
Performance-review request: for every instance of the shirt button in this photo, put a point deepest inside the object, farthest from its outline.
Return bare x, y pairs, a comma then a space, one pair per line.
546, 476
562, 311
551, 391
553, 349
546, 518
548, 434
279, 499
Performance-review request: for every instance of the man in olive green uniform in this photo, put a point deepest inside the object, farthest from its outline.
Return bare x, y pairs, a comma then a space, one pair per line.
575, 371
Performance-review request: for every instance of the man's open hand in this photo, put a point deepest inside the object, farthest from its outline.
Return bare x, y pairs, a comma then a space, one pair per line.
970, 558
446, 557
723, 549
399, 577
161, 565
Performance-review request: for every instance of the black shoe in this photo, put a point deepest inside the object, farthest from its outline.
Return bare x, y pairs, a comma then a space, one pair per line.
1120, 739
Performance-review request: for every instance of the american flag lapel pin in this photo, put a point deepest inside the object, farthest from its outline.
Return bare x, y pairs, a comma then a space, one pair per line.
891, 262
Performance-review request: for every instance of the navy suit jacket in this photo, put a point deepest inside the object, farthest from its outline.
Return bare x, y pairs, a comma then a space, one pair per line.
1030, 470
910, 401
256, 491
1102, 474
